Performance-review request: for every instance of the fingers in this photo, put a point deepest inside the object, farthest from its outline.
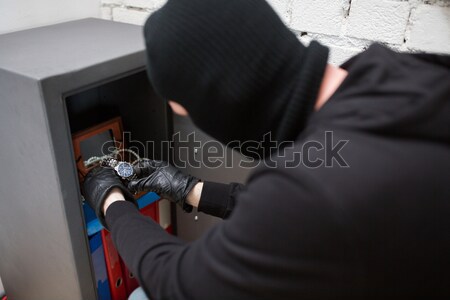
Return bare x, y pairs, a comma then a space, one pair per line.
149, 174
134, 186
146, 184
99, 172
92, 172
139, 185
146, 167
97, 175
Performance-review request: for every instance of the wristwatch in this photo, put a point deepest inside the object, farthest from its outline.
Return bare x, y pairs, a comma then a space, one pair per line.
122, 168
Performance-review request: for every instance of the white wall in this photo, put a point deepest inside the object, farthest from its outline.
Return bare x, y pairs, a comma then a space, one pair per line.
22, 14
346, 26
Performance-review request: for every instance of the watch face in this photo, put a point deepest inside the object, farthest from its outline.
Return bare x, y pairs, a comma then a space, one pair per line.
125, 170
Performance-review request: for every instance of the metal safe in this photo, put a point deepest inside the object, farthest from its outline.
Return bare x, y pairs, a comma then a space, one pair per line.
54, 81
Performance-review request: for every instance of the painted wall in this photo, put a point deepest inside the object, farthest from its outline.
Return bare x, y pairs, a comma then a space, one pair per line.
23, 14
346, 26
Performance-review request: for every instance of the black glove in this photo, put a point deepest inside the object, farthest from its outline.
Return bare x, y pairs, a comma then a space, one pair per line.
97, 185
163, 179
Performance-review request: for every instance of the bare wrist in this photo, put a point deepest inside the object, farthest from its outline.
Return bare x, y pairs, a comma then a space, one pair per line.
193, 198
113, 196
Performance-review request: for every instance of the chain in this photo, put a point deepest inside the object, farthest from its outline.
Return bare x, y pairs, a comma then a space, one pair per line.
99, 159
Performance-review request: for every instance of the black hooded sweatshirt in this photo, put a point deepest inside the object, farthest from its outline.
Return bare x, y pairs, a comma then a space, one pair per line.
370, 223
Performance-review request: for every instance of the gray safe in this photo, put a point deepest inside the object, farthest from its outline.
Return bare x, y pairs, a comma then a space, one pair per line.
54, 81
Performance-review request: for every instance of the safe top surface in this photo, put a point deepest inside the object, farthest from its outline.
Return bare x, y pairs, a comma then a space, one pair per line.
66, 48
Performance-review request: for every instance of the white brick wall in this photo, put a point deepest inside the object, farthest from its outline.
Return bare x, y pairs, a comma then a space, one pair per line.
318, 16
430, 29
381, 20
346, 26
132, 16
282, 8
129, 11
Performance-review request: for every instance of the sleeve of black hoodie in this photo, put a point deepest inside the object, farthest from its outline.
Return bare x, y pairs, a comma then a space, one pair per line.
254, 254
219, 199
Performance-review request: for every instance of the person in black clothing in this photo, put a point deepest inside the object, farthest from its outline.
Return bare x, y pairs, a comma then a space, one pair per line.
374, 225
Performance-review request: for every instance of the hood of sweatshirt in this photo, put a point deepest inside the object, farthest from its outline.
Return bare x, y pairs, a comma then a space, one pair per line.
395, 94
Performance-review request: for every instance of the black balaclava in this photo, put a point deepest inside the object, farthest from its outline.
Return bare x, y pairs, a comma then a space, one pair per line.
236, 68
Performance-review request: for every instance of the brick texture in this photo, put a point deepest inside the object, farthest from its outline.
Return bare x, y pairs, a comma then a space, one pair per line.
106, 13
137, 17
149, 4
430, 30
319, 16
381, 20
347, 27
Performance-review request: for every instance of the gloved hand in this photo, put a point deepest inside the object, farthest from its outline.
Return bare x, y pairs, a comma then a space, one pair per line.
98, 183
163, 179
